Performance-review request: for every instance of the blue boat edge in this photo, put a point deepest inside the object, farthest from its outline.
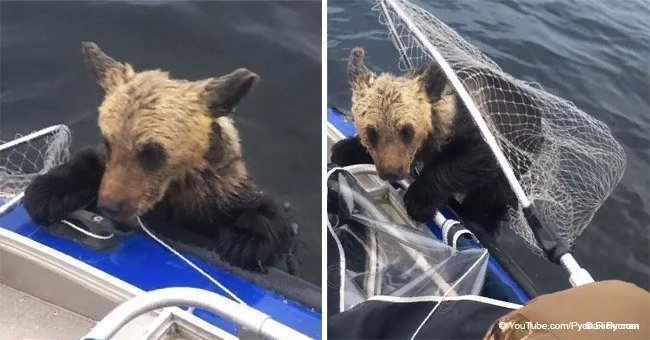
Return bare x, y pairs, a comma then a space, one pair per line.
163, 269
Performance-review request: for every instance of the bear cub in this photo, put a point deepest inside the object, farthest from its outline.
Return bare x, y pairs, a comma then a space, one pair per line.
416, 124
171, 156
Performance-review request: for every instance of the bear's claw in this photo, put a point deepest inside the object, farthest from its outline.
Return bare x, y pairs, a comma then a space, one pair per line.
420, 202
247, 251
253, 243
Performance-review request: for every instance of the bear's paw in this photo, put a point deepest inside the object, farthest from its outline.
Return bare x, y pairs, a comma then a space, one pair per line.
253, 243
420, 202
49, 198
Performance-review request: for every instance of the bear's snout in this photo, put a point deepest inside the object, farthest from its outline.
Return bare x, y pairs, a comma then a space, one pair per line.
121, 192
113, 209
119, 207
391, 174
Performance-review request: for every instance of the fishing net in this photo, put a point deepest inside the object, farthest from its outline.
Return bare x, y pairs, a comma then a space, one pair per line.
566, 161
381, 253
25, 157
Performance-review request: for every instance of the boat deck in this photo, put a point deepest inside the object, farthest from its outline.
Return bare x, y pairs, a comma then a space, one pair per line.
24, 316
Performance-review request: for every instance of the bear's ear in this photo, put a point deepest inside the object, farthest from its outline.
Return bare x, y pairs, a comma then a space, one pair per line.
110, 73
224, 93
358, 73
433, 81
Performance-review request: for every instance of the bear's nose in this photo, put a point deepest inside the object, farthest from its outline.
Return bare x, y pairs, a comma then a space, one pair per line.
111, 208
390, 174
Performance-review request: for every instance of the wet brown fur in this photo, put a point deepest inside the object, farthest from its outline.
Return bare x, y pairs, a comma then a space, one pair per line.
387, 102
171, 155
149, 106
447, 148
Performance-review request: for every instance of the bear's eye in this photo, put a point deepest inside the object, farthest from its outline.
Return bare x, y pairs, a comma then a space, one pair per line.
373, 135
406, 133
152, 156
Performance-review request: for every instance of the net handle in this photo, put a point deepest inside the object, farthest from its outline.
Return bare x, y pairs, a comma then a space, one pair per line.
36, 134
554, 247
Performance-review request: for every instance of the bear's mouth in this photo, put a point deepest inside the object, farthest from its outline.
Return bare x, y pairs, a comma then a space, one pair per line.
392, 174
121, 217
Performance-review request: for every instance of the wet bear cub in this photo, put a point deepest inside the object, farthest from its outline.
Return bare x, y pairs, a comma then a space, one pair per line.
418, 121
172, 156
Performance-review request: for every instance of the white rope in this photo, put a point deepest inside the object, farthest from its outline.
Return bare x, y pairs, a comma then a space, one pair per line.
442, 299
433, 298
86, 232
191, 264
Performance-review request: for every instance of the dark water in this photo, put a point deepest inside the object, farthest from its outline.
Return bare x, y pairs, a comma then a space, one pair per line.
43, 80
594, 53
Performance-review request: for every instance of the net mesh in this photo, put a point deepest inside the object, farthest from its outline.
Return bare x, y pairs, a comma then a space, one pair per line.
25, 157
567, 162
